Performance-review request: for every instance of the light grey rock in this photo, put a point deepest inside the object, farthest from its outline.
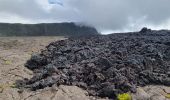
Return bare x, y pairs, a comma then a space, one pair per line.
140, 95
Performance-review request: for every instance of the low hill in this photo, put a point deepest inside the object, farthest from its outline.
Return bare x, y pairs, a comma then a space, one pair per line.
45, 29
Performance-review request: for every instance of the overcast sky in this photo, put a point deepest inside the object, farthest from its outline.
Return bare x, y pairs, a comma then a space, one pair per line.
105, 15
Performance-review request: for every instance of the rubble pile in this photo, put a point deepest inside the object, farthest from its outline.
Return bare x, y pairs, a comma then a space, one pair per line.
104, 65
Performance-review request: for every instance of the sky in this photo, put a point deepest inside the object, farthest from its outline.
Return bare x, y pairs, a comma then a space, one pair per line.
106, 16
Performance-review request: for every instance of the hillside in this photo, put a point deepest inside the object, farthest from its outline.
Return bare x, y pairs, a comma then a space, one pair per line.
45, 29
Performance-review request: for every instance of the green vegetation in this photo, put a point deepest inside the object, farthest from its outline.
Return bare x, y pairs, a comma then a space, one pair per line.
124, 96
45, 29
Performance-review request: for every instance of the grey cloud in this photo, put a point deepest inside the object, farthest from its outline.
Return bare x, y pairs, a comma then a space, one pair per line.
23, 8
103, 14
115, 14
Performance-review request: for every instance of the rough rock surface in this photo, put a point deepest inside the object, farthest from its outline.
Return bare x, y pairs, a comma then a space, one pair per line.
152, 92
14, 52
104, 65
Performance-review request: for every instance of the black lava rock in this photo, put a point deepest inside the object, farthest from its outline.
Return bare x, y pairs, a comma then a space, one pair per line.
104, 65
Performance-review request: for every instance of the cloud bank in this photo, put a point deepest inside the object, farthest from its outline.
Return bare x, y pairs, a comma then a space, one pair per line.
105, 15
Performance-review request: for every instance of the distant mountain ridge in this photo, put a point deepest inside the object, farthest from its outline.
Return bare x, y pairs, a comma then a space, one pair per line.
46, 29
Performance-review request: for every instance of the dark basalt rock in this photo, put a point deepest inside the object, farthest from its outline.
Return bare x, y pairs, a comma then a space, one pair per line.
104, 65
145, 29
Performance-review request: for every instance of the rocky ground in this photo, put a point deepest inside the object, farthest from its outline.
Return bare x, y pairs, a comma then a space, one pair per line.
15, 51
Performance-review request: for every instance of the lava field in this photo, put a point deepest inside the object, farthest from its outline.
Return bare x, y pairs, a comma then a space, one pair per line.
104, 65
